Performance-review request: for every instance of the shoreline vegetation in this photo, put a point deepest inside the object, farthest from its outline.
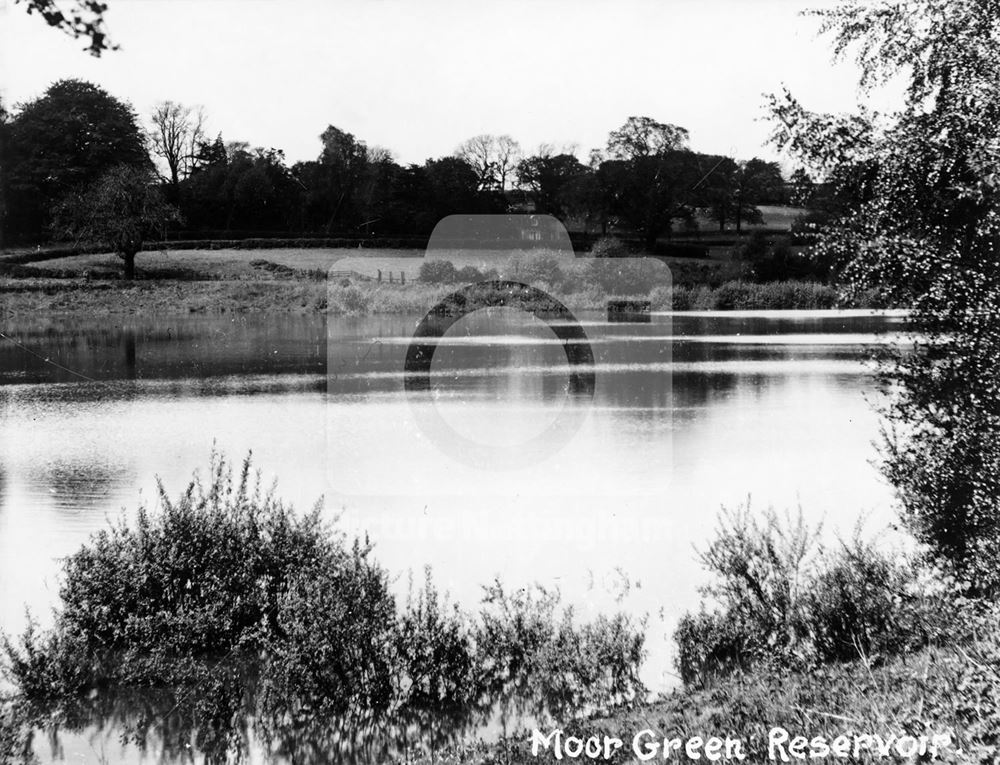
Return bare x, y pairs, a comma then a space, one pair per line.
237, 594
248, 621
303, 282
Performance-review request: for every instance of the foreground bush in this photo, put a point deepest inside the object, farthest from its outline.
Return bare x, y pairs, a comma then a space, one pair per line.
783, 600
207, 576
226, 612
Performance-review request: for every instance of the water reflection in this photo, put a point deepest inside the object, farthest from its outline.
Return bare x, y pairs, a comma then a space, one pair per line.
52, 350
229, 713
80, 482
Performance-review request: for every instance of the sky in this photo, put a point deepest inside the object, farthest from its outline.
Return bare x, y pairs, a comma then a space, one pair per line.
420, 76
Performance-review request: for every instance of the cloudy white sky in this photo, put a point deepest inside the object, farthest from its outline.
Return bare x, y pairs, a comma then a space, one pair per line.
420, 76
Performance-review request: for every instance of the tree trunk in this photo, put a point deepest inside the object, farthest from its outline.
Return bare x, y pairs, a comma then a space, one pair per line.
129, 258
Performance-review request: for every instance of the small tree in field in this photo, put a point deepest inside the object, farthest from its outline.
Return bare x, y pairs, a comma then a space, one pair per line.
120, 211
924, 230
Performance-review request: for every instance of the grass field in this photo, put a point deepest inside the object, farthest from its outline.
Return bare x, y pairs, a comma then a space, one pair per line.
299, 280
238, 264
225, 264
316, 263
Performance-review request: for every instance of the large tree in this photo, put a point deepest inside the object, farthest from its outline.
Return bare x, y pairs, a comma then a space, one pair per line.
732, 190
176, 135
924, 230
63, 140
714, 190
121, 210
648, 193
756, 182
494, 159
645, 137
644, 181
551, 181
335, 183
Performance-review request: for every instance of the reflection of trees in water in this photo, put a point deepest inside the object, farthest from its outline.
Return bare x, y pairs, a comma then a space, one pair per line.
224, 712
111, 349
87, 482
385, 694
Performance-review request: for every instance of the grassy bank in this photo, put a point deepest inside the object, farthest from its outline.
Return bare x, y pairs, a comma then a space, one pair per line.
298, 281
96, 298
939, 691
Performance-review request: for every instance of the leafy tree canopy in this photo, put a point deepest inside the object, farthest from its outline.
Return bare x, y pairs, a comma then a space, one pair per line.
643, 137
77, 18
65, 139
121, 210
925, 230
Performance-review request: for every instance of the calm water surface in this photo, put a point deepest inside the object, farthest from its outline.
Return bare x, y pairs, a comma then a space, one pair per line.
688, 413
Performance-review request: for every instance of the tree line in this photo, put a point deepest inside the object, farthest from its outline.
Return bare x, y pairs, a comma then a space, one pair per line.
77, 144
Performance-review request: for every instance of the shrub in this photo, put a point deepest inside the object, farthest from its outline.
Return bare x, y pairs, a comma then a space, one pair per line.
538, 267
609, 247
740, 296
784, 600
664, 298
204, 577
629, 276
677, 298
434, 644
332, 645
537, 660
866, 604
349, 299
437, 272
702, 299
469, 275
712, 643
